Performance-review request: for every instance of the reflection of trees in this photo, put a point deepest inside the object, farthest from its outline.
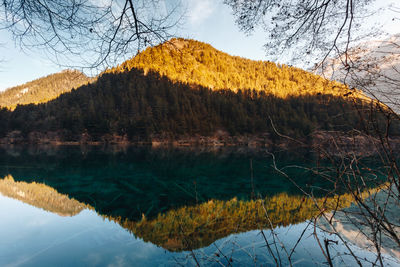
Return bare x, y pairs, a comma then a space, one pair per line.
152, 181
41, 196
198, 226
189, 227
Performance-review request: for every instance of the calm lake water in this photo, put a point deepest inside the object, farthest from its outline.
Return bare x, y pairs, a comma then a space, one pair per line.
73, 206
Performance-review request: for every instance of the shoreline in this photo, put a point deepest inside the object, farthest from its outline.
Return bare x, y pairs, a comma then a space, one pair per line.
325, 143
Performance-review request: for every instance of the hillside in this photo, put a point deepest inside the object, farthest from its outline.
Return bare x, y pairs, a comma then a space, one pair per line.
199, 63
43, 89
167, 101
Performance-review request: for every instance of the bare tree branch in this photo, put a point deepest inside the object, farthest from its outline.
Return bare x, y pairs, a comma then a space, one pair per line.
97, 33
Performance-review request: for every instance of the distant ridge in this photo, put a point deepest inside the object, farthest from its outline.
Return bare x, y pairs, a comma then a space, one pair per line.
43, 89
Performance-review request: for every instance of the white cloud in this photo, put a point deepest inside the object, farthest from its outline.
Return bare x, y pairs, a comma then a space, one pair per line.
199, 10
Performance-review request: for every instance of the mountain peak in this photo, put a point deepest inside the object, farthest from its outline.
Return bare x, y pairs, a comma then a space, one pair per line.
197, 63
178, 43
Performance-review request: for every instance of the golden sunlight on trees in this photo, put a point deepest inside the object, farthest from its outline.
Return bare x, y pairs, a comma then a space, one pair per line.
41, 196
192, 227
198, 63
43, 89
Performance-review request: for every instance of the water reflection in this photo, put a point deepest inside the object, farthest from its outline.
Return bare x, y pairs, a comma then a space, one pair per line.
87, 240
41, 196
178, 201
141, 181
188, 227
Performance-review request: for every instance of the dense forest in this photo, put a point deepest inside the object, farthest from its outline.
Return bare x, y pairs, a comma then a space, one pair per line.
144, 107
43, 89
157, 95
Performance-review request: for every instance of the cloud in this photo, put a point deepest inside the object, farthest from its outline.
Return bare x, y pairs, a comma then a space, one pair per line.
199, 10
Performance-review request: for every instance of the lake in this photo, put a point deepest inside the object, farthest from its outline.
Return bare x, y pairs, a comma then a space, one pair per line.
138, 206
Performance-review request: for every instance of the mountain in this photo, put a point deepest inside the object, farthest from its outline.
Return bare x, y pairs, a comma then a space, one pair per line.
159, 96
374, 67
43, 89
198, 63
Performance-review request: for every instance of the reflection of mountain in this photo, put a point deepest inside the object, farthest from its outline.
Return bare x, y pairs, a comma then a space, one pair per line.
354, 222
200, 225
41, 196
154, 180
189, 227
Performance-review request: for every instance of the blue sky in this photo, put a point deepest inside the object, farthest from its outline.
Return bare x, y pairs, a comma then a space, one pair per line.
207, 20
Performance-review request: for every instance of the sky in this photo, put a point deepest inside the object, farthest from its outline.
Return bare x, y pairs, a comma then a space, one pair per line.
207, 20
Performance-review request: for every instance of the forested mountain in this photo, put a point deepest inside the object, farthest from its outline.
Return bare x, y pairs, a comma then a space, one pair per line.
43, 89
144, 107
162, 98
199, 63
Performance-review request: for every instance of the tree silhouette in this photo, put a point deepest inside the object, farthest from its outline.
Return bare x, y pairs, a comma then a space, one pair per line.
310, 30
95, 33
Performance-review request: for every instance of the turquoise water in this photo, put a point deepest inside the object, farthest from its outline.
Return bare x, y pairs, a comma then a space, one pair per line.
120, 185
37, 238
139, 181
